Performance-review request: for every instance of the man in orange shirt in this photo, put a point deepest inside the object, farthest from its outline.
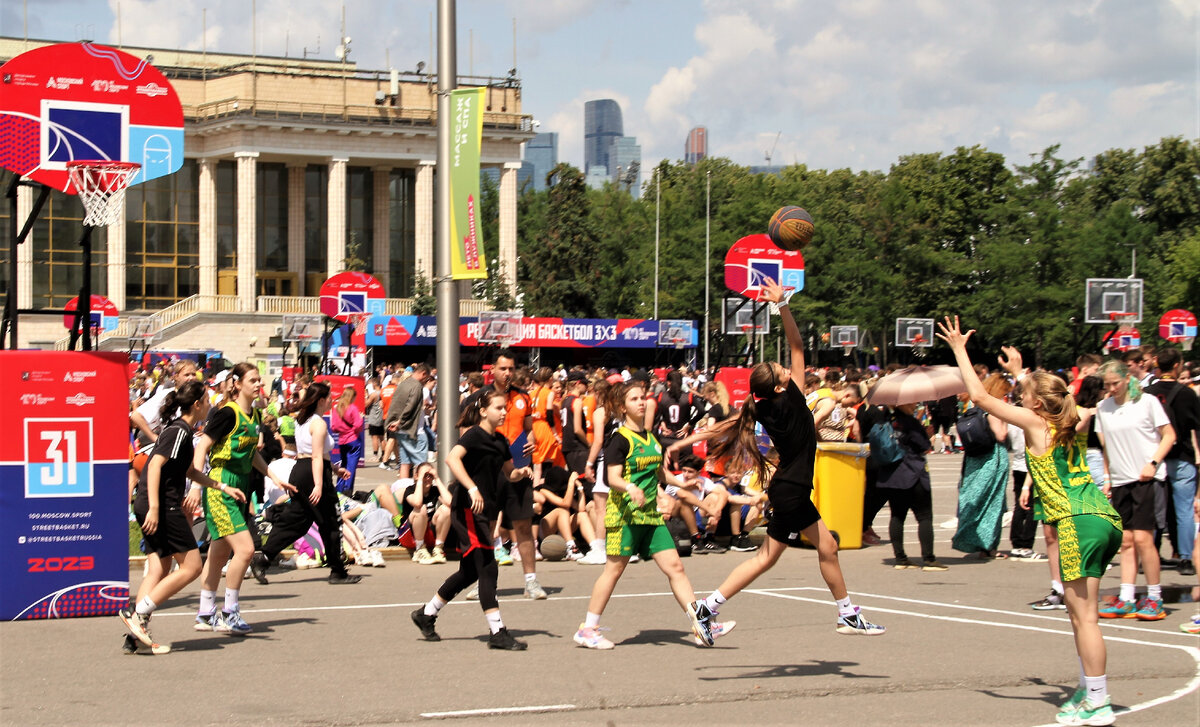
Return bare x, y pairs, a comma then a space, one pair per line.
517, 497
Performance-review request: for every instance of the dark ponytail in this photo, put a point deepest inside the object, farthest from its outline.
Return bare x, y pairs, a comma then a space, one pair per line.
304, 408
742, 441
473, 414
181, 400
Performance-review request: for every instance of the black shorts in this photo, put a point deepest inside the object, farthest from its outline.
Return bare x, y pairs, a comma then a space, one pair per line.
942, 424
576, 460
1134, 502
173, 534
791, 518
516, 501
375, 430
472, 531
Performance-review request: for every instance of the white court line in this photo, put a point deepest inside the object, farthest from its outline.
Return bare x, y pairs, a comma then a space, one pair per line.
1192, 685
500, 710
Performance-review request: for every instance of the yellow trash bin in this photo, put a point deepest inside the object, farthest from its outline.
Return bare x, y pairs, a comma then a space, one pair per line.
839, 485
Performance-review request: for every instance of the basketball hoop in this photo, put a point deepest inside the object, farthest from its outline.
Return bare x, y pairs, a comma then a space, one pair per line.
847, 349
1186, 342
678, 343
101, 187
361, 322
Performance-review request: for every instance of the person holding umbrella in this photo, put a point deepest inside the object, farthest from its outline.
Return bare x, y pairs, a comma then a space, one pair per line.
1089, 529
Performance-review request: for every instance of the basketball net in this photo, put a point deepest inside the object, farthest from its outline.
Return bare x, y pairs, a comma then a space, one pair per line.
1186, 343
678, 342
101, 187
361, 322
1124, 324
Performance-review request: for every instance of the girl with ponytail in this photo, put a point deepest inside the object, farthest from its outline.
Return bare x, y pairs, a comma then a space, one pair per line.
777, 402
1065, 497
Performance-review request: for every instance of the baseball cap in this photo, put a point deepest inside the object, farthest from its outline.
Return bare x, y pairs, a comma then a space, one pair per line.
576, 376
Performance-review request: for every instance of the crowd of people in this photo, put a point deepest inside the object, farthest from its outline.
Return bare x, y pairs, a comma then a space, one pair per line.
628, 464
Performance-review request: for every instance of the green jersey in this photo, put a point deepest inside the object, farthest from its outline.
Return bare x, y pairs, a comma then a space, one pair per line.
1063, 485
640, 456
235, 437
287, 425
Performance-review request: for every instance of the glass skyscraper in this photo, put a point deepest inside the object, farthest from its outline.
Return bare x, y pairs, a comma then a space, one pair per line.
602, 125
541, 152
626, 157
696, 146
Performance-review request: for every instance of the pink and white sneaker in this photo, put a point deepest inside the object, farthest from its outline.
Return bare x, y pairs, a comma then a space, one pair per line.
591, 637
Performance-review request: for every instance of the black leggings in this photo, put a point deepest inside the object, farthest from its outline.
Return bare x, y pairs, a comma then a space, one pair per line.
920, 501
1024, 528
478, 565
298, 515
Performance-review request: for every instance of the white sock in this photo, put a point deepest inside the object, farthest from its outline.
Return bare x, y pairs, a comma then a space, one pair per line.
438, 543
845, 608
714, 600
497, 543
597, 545
145, 606
231, 599
208, 602
1154, 593
570, 544
494, 622
1097, 688
1082, 676
592, 620
435, 604
1056, 586
1127, 592
530, 577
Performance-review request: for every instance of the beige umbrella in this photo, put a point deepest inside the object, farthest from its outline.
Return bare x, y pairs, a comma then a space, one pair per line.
916, 384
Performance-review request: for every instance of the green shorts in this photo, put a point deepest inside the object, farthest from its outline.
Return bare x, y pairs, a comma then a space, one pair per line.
222, 513
1086, 545
640, 540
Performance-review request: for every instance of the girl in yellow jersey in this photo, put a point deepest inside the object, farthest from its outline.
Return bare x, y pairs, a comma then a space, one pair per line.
1089, 529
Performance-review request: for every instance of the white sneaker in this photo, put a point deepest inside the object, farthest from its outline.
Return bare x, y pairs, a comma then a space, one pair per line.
289, 563
595, 556
305, 561
362, 559
422, 556
377, 559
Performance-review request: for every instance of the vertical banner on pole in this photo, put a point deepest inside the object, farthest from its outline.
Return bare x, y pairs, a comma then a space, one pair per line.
466, 239
64, 500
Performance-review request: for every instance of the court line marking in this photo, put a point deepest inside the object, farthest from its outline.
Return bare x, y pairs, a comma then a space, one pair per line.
499, 711
1192, 685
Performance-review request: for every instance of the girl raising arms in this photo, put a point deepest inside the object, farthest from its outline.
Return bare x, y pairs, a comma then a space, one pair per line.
1089, 529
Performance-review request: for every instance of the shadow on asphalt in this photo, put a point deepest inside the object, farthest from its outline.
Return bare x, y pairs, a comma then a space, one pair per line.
1053, 695
816, 668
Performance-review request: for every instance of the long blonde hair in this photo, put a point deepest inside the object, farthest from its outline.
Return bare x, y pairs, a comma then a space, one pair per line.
1134, 388
1058, 406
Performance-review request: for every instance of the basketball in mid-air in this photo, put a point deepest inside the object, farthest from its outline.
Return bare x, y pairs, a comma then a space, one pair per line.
554, 547
791, 228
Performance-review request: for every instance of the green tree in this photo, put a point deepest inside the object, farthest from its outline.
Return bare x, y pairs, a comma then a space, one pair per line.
562, 261
424, 301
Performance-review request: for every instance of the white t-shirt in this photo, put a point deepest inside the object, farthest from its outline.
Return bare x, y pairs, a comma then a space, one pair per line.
1016, 444
1130, 436
150, 408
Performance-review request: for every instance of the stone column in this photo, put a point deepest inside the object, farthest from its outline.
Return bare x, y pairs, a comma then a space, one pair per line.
295, 225
25, 250
247, 228
116, 260
423, 224
208, 226
381, 224
508, 225
336, 246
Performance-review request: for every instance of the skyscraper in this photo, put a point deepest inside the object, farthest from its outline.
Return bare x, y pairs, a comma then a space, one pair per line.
626, 158
696, 146
541, 152
602, 125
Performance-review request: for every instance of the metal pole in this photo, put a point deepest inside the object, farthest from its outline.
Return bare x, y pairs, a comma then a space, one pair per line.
447, 295
657, 216
707, 259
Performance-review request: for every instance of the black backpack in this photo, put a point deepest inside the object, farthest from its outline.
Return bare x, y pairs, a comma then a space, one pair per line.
974, 433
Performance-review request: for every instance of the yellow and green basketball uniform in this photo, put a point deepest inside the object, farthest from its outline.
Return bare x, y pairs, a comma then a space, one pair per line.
230, 462
1089, 529
630, 529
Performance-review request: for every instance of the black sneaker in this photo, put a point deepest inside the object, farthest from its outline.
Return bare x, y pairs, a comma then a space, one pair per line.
129, 645
1186, 568
426, 623
698, 548
903, 563
258, 567
741, 544
338, 579
712, 546
504, 640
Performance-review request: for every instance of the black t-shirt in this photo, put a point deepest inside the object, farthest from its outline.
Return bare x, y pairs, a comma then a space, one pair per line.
484, 462
1184, 412
789, 424
571, 441
674, 412
556, 480
174, 443
220, 424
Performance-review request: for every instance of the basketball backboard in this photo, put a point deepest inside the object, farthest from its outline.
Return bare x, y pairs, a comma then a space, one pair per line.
736, 321
351, 296
846, 336
501, 327
1106, 296
82, 101
300, 329
676, 333
754, 258
914, 332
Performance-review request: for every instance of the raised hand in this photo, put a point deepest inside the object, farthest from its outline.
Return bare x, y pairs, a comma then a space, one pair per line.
771, 291
1010, 360
951, 332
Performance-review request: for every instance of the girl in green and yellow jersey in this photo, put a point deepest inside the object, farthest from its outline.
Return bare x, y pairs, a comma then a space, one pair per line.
634, 526
1089, 529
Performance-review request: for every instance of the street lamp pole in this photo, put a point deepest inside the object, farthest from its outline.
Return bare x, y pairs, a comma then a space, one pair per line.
657, 217
707, 259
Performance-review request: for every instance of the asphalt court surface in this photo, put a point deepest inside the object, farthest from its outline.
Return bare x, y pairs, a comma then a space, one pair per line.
962, 647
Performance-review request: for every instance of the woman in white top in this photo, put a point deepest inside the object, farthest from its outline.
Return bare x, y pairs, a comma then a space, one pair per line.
1135, 435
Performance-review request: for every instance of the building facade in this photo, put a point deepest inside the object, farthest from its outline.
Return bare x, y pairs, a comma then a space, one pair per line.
626, 155
541, 153
293, 168
602, 125
695, 147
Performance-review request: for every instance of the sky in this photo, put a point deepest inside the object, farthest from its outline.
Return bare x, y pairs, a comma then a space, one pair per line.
848, 84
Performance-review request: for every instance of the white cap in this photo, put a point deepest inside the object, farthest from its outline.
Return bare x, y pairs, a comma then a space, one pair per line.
220, 377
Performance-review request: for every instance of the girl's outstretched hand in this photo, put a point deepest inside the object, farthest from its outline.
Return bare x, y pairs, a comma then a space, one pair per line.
1010, 360
771, 291
951, 333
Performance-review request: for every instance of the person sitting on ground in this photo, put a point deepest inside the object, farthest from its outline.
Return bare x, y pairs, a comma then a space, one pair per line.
427, 501
698, 503
557, 501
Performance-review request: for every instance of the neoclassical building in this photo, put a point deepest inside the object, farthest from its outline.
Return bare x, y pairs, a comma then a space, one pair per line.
291, 166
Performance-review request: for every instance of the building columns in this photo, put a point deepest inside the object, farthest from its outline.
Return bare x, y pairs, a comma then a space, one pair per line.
247, 228
336, 245
296, 192
423, 224
508, 225
381, 224
208, 226
116, 260
25, 249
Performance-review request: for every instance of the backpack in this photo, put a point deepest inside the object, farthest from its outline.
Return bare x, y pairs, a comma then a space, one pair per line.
885, 444
974, 433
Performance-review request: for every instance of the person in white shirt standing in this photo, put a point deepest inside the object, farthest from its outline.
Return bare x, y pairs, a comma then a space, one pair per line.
1136, 436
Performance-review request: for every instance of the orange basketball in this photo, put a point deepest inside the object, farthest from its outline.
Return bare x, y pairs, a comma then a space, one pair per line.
791, 228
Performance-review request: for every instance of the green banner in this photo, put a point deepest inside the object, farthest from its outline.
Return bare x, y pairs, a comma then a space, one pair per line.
466, 239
